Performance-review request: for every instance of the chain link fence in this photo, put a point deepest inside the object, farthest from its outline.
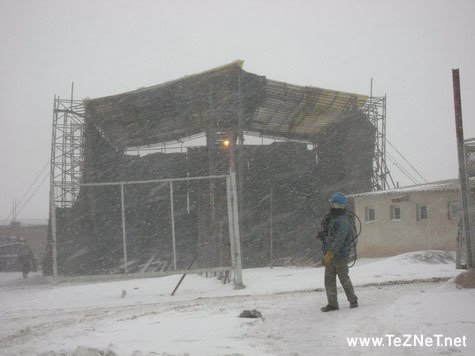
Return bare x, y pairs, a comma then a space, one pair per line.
155, 227
470, 167
465, 247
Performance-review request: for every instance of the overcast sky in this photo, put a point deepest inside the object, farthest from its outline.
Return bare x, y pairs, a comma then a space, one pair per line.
108, 47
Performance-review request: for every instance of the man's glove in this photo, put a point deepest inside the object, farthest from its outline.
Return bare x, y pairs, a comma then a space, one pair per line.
327, 259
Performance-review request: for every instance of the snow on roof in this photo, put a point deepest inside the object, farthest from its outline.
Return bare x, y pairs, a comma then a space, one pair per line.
443, 185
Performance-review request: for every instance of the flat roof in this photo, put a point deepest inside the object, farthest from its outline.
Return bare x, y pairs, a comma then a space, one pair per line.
443, 185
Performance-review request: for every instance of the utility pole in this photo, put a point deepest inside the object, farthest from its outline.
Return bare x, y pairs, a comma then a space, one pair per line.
233, 205
462, 168
14, 223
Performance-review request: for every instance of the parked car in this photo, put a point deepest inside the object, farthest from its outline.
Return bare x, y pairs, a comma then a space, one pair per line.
15, 255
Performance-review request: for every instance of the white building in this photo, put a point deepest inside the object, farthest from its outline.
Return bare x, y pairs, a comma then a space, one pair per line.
420, 217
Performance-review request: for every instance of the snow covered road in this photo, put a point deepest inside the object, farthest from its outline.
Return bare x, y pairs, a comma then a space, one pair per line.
202, 318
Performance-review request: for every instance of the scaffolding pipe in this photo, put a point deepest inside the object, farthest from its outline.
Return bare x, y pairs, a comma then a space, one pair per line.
233, 208
150, 181
124, 237
172, 213
271, 228
237, 239
52, 205
231, 226
54, 248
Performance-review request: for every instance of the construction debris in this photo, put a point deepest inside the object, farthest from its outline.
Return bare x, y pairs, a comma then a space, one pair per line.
254, 314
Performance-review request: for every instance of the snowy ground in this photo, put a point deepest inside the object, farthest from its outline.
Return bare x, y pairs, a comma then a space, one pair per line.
406, 294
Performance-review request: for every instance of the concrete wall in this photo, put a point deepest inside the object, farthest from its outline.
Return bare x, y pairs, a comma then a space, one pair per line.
383, 237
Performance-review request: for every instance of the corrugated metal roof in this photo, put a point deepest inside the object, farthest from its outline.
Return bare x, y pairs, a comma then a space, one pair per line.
288, 109
186, 106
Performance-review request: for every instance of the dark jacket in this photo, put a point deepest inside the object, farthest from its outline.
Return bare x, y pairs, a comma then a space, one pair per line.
337, 233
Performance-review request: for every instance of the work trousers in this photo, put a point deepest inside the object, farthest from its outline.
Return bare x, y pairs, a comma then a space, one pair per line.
338, 268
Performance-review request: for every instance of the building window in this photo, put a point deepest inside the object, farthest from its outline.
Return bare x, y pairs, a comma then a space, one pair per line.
370, 214
453, 211
422, 213
395, 213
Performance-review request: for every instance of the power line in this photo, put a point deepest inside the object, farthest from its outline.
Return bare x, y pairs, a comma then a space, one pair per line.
33, 194
402, 169
404, 158
26, 192
31, 185
399, 167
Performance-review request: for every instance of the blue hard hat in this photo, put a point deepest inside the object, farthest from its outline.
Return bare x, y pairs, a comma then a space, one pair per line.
339, 198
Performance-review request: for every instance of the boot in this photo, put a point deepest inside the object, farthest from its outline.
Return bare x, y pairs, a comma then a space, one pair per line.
353, 305
329, 308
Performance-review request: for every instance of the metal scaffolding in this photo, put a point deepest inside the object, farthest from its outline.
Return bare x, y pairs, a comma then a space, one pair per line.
66, 151
68, 140
375, 109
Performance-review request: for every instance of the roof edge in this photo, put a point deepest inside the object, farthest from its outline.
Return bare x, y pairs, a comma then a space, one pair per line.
442, 185
237, 63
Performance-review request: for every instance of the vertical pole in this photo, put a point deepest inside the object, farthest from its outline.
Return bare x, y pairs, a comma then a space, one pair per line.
210, 141
237, 237
458, 253
172, 213
384, 169
72, 95
240, 152
271, 229
221, 244
232, 160
52, 202
187, 183
232, 241
461, 159
64, 129
210, 242
124, 236
72, 150
235, 212
54, 248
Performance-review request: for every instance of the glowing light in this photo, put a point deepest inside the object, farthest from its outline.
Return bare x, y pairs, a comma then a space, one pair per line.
226, 143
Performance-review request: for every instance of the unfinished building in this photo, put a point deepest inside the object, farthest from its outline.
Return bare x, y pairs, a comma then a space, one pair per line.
325, 140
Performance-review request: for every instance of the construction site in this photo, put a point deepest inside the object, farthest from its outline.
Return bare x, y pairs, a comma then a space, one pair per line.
192, 171
237, 178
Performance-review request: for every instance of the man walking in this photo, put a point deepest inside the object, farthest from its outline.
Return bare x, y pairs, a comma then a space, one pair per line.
337, 233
